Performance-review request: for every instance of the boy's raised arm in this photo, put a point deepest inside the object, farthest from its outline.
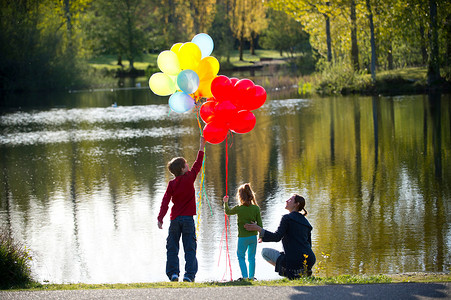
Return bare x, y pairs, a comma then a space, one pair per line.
202, 143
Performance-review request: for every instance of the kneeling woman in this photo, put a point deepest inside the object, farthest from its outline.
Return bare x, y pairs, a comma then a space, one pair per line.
295, 232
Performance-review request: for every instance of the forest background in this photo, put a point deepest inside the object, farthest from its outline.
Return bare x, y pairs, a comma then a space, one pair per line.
49, 45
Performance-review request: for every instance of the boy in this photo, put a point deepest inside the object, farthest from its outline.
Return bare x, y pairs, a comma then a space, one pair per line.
181, 191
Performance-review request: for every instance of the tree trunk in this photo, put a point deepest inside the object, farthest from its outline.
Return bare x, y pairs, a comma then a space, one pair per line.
424, 51
252, 46
390, 56
328, 36
373, 42
354, 45
448, 40
241, 47
433, 65
68, 18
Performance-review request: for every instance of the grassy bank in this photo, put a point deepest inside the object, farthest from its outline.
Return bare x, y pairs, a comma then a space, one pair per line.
307, 281
330, 79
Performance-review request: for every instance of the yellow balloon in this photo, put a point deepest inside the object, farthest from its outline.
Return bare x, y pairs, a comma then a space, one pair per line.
189, 56
208, 67
168, 62
176, 47
161, 84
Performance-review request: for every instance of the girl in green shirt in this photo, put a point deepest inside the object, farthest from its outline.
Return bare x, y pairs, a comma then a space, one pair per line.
248, 212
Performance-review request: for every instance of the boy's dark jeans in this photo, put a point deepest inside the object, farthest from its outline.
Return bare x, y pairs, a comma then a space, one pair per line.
181, 226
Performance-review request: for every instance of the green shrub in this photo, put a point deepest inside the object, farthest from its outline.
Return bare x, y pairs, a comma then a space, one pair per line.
15, 261
339, 77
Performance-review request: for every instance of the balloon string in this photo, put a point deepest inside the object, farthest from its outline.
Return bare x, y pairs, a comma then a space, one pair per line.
226, 164
202, 192
226, 219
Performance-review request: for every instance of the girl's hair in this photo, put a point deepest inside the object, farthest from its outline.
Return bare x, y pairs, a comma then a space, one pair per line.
301, 201
246, 195
176, 165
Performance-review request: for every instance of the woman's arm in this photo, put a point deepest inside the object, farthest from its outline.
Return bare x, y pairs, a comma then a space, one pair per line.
269, 236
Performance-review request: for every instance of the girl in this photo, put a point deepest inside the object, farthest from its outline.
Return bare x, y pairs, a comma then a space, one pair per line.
248, 212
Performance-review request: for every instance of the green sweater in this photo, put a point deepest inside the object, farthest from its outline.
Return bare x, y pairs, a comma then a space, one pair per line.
246, 214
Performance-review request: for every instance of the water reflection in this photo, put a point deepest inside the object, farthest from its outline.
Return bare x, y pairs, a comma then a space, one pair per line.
82, 183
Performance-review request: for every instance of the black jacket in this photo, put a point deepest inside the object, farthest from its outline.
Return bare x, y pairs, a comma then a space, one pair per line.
295, 232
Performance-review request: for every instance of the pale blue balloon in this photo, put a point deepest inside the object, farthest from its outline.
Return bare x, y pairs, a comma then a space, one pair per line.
181, 102
188, 81
204, 42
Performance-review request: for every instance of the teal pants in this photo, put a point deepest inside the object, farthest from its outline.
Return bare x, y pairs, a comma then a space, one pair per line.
248, 244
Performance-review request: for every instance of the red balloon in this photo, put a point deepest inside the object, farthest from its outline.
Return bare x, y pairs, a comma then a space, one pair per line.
225, 111
215, 132
243, 90
207, 111
257, 101
243, 122
221, 88
234, 80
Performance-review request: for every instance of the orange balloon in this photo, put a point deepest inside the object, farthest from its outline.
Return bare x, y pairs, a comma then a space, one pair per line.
204, 89
208, 68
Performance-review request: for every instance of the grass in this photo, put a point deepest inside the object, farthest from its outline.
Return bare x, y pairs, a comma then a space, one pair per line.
305, 281
15, 261
110, 61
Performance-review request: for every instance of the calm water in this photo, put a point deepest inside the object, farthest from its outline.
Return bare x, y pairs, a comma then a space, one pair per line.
82, 182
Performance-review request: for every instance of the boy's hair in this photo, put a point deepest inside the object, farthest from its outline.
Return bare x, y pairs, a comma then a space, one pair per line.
246, 195
176, 165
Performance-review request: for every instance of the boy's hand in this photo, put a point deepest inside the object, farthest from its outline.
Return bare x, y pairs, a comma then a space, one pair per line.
225, 199
202, 143
160, 225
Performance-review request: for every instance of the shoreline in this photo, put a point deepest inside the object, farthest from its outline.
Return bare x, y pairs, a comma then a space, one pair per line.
408, 277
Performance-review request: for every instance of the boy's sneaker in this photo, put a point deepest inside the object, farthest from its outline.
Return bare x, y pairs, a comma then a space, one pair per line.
186, 279
175, 277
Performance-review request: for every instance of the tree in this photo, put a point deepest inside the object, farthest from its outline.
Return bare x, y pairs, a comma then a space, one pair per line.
307, 12
202, 14
373, 41
354, 44
221, 32
39, 44
434, 63
257, 22
284, 34
118, 27
247, 20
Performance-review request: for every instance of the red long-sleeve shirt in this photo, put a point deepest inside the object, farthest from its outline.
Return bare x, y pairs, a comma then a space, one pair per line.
181, 191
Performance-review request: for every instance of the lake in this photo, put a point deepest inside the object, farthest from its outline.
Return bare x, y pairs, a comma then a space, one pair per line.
82, 182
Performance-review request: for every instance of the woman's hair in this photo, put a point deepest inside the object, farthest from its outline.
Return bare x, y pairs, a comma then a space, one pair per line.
246, 195
176, 165
301, 201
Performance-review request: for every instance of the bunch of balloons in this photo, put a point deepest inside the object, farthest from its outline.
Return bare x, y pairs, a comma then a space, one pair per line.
189, 74
231, 107
187, 70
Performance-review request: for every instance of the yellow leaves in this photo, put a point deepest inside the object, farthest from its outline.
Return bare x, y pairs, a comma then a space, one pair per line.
247, 17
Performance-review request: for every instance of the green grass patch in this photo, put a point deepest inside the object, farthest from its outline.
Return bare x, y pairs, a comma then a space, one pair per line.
109, 62
304, 281
15, 271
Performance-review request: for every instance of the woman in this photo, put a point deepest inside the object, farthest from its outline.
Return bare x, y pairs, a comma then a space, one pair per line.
295, 232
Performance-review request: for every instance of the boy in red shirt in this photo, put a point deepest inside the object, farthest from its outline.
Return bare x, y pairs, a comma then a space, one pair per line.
181, 191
